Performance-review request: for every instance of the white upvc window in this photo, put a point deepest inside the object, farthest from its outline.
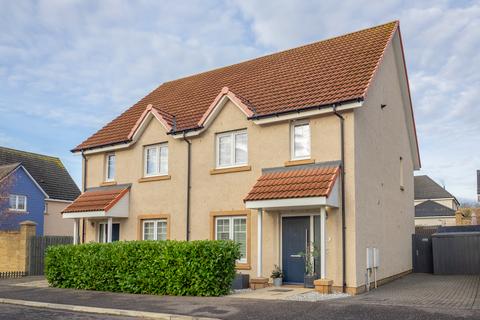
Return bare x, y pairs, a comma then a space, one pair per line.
18, 202
231, 149
300, 140
110, 167
156, 160
155, 229
233, 228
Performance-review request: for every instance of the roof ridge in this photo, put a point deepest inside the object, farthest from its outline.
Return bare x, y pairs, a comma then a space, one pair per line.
31, 153
280, 52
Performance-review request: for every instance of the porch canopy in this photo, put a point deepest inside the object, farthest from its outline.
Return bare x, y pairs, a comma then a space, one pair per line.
295, 188
298, 187
102, 202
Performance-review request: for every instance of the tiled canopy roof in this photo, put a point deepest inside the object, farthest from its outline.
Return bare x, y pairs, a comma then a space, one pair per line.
48, 172
330, 71
296, 183
99, 199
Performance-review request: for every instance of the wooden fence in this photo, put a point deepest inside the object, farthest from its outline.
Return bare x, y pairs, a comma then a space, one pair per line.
37, 247
12, 274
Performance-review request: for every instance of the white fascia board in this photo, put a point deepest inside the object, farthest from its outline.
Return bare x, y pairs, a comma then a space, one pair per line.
88, 214
106, 149
58, 200
306, 114
287, 203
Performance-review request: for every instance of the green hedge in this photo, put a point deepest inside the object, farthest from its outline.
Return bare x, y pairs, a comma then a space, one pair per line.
196, 268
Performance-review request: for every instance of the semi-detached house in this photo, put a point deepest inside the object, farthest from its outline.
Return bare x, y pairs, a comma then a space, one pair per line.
315, 144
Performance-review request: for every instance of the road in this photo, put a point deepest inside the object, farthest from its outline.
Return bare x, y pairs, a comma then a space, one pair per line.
15, 312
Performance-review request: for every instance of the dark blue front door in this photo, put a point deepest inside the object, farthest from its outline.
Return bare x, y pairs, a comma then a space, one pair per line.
115, 232
295, 232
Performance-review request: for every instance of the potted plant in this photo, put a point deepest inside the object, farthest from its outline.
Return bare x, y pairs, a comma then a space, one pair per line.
277, 276
309, 255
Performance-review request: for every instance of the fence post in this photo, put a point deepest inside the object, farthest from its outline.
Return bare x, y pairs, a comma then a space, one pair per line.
27, 230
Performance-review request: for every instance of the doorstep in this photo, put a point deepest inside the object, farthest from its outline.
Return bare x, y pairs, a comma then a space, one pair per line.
272, 293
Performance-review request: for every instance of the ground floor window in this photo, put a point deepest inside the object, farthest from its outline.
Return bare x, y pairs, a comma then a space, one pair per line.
233, 228
155, 229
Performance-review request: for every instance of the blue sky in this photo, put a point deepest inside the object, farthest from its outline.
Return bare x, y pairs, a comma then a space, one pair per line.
69, 67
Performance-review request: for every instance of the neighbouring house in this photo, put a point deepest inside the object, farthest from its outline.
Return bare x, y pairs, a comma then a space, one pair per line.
37, 188
315, 144
434, 205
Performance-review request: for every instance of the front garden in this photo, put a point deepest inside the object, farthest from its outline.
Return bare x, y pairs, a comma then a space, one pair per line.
194, 268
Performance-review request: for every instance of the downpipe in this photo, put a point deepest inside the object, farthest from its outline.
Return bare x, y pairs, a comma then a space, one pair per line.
342, 169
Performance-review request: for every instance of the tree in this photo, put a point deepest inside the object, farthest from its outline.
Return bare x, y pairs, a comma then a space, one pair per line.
5, 186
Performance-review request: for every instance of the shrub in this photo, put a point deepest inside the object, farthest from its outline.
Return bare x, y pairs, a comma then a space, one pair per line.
196, 268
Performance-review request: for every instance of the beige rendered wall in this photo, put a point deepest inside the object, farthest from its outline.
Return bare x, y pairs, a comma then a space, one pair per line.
164, 197
54, 224
268, 146
384, 212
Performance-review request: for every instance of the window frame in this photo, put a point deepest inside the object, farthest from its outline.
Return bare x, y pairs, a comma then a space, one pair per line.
231, 231
17, 197
292, 139
232, 134
155, 228
157, 148
107, 166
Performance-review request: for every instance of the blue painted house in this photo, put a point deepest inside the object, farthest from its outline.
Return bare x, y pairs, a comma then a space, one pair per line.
34, 187
23, 199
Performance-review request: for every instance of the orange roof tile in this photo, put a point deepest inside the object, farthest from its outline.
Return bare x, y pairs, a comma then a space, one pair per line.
330, 71
101, 199
297, 183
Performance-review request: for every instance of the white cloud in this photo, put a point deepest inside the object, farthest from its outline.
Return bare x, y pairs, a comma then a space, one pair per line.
79, 63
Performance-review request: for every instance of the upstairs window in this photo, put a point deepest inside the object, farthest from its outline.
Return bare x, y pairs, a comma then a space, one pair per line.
300, 140
18, 202
156, 160
232, 149
110, 167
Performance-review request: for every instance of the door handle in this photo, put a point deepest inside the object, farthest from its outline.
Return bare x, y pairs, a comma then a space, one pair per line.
295, 256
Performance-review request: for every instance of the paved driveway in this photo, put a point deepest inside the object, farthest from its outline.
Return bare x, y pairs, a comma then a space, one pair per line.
427, 291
